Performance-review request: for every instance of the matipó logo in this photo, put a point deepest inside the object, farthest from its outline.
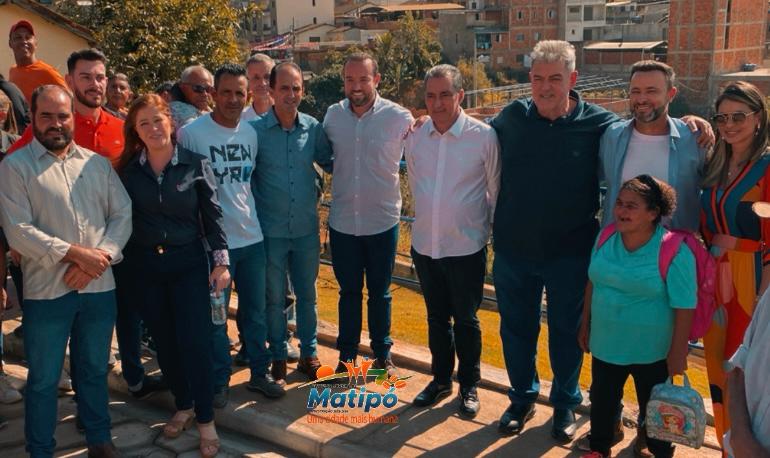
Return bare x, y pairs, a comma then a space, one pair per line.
343, 397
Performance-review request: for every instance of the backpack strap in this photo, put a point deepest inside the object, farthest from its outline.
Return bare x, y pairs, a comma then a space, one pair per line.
605, 234
669, 246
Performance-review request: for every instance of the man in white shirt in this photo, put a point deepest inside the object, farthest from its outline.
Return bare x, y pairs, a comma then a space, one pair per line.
366, 133
68, 215
454, 174
231, 145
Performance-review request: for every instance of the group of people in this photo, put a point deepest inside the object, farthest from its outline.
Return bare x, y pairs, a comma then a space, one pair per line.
122, 214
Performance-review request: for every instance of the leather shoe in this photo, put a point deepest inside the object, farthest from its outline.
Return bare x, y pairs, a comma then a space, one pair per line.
564, 425
432, 394
104, 450
469, 402
309, 366
583, 443
278, 371
387, 364
514, 418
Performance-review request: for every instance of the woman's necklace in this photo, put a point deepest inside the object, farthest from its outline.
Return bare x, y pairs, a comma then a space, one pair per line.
736, 168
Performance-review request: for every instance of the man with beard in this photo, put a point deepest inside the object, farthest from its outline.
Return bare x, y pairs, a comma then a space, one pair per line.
69, 236
29, 71
655, 144
95, 128
366, 133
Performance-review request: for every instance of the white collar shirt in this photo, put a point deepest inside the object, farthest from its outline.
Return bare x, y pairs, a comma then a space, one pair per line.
454, 178
366, 198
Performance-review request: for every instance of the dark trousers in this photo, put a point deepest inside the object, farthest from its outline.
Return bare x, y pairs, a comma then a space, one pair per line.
453, 288
519, 287
352, 258
174, 305
128, 326
607, 382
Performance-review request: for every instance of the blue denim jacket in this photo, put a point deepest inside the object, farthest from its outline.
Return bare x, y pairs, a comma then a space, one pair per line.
685, 168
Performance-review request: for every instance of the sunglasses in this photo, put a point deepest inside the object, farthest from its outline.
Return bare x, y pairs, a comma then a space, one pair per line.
200, 88
738, 117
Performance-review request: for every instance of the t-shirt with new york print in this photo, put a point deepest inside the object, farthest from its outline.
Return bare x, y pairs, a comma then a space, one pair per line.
232, 153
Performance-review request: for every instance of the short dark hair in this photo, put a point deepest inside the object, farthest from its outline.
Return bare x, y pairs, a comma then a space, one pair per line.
229, 69
90, 54
45, 88
361, 57
275, 70
657, 194
655, 66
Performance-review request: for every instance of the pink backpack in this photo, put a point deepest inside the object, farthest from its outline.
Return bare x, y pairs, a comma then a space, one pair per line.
706, 269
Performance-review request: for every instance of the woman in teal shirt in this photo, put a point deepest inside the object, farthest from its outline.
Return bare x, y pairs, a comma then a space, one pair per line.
634, 323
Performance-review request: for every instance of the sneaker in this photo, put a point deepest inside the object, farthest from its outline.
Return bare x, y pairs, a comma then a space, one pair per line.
65, 383
432, 394
563, 425
8, 393
221, 398
309, 366
583, 443
151, 384
515, 417
292, 352
267, 386
469, 402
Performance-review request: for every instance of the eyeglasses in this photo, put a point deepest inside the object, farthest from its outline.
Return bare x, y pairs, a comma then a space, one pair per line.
199, 88
738, 117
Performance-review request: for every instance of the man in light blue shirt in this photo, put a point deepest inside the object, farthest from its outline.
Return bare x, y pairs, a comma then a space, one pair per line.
286, 198
653, 143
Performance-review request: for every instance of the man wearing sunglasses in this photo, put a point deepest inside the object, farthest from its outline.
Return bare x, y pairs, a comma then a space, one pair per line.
192, 95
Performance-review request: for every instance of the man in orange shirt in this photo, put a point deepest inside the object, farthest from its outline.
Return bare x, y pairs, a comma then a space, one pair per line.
95, 128
29, 72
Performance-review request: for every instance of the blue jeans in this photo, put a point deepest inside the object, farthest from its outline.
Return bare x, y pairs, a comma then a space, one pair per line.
352, 258
301, 256
519, 288
128, 325
247, 269
89, 318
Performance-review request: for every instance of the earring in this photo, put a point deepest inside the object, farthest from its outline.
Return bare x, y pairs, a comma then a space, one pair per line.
756, 130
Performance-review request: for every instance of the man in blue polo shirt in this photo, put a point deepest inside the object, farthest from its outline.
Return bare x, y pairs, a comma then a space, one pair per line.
544, 227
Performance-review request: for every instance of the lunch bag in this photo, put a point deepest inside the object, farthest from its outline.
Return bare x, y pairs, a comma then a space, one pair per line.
676, 414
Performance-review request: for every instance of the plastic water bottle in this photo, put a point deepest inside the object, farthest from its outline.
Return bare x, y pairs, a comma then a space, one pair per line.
218, 308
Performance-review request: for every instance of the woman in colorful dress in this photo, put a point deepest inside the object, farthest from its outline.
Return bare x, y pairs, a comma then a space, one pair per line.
736, 176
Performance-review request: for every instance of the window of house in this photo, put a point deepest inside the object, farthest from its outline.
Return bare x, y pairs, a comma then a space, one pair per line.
315, 39
315, 20
497, 38
520, 15
519, 37
313, 2
478, 16
473, 5
538, 35
551, 14
519, 58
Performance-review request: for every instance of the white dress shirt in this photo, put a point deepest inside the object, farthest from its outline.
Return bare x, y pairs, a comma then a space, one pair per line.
366, 198
454, 178
50, 202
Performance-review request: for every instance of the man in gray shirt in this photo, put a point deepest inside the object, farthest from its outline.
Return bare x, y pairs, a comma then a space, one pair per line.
66, 212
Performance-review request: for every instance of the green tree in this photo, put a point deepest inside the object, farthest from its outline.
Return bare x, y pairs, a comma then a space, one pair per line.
404, 55
154, 40
469, 72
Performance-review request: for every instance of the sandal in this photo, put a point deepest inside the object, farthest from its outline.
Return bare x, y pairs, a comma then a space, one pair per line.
208, 447
181, 421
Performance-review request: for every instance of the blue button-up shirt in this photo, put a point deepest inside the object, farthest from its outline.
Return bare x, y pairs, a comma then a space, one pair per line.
685, 166
284, 176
